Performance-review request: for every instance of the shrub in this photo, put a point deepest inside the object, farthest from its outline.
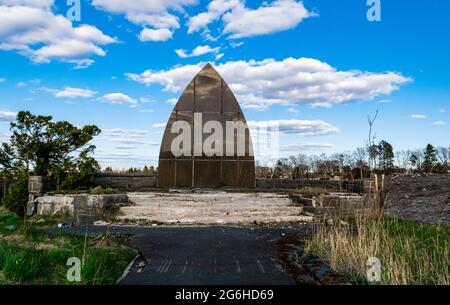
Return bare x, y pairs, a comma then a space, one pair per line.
16, 198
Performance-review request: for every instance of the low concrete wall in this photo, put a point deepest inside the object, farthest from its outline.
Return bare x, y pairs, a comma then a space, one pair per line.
356, 186
126, 181
83, 208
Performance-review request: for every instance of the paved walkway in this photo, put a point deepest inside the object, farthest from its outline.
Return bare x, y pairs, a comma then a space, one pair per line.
206, 255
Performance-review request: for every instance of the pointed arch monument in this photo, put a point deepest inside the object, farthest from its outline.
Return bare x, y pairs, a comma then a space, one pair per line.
209, 98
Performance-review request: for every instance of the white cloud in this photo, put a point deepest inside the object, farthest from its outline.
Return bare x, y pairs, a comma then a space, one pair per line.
155, 35
293, 110
44, 4
219, 56
118, 98
438, 123
216, 8
198, 51
240, 21
300, 127
259, 84
172, 101
159, 125
418, 116
275, 17
7, 116
307, 146
442, 110
70, 92
26, 83
156, 14
31, 29
124, 133
235, 45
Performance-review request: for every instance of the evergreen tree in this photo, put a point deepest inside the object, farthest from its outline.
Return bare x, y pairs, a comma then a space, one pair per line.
430, 158
385, 157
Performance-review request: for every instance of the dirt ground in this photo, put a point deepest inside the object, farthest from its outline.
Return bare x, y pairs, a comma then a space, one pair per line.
423, 198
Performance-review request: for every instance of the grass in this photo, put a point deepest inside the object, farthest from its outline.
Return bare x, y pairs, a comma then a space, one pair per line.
28, 255
410, 253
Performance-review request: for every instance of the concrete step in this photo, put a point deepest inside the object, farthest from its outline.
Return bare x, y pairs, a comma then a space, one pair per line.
210, 208
195, 212
214, 220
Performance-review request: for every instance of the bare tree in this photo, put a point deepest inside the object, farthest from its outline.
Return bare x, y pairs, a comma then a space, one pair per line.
300, 163
360, 156
403, 159
371, 146
444, 156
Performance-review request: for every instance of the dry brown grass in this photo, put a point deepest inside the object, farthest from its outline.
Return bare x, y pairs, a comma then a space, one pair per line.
409, 252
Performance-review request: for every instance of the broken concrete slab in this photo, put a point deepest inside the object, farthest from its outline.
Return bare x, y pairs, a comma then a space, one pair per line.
210, 208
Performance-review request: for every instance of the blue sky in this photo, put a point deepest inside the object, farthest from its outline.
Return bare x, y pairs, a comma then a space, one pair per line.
122, 64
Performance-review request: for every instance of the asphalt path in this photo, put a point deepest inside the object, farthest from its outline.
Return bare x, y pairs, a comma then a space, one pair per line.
205, 255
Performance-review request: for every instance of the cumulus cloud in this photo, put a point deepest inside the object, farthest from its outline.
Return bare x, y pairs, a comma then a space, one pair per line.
275, 17
70, 92
7, 116
198, 51
155, 16
240, 21
155, 35
215, 9
438, 123
418, 116
31, 29
298, 127
118, 98
260, 84
307, 146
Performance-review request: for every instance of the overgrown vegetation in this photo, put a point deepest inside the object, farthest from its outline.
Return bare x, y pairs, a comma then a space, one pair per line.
409, 252
16, 197
104, 191
28, 255
40, 146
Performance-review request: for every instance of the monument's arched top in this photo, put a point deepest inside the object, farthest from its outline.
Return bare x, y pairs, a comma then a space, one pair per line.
207, 98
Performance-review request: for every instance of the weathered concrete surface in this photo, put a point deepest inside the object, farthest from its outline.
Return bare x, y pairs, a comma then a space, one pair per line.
210, 208
52, 205
334, 204
83, 208
423, 198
